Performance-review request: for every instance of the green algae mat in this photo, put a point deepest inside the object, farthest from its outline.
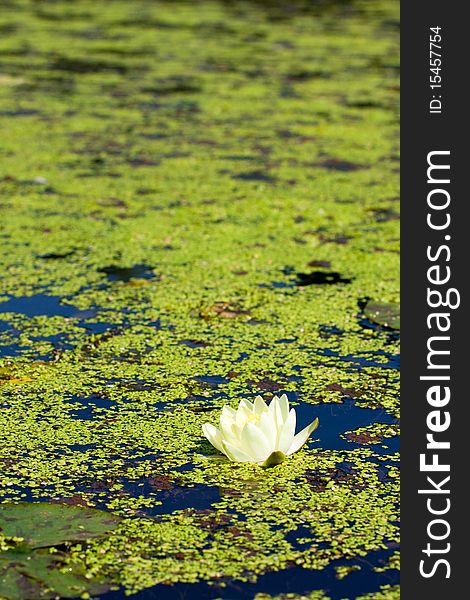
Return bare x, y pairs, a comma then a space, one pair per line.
198, 204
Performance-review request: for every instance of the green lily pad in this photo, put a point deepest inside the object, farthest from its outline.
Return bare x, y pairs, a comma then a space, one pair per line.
38, 574
16, 586
383, 313
42, 525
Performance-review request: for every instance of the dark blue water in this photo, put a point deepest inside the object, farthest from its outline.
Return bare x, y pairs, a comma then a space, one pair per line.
199, 497
366, 360
336, 419
212, 380
294, 580
50, 306
42, 304
392, 334
5, 326
97, 327
12, 350
85, 408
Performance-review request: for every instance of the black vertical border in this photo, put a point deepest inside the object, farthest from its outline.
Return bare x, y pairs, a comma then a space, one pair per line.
421, 133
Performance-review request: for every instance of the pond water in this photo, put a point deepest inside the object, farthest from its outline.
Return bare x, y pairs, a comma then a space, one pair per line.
197, 204
292, 581
42, 304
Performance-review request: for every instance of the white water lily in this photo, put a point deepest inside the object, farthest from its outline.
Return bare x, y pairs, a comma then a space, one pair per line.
258, 433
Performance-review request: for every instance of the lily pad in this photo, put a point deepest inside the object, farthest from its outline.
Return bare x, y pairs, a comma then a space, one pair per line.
42, 525
30, 575
383, 313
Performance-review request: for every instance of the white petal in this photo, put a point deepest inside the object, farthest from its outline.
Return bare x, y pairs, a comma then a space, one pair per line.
213, 435
227, 425
284, 406
227, 417
246, 403
229, 412
275, 409
243, 414
255, 443
300, 439
267, 424
259, 405
286, 435
236, 434
236, 454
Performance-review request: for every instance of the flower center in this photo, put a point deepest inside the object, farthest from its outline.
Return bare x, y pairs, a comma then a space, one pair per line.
253, 418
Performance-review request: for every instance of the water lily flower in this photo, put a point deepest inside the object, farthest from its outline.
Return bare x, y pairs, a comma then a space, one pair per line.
258, 433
